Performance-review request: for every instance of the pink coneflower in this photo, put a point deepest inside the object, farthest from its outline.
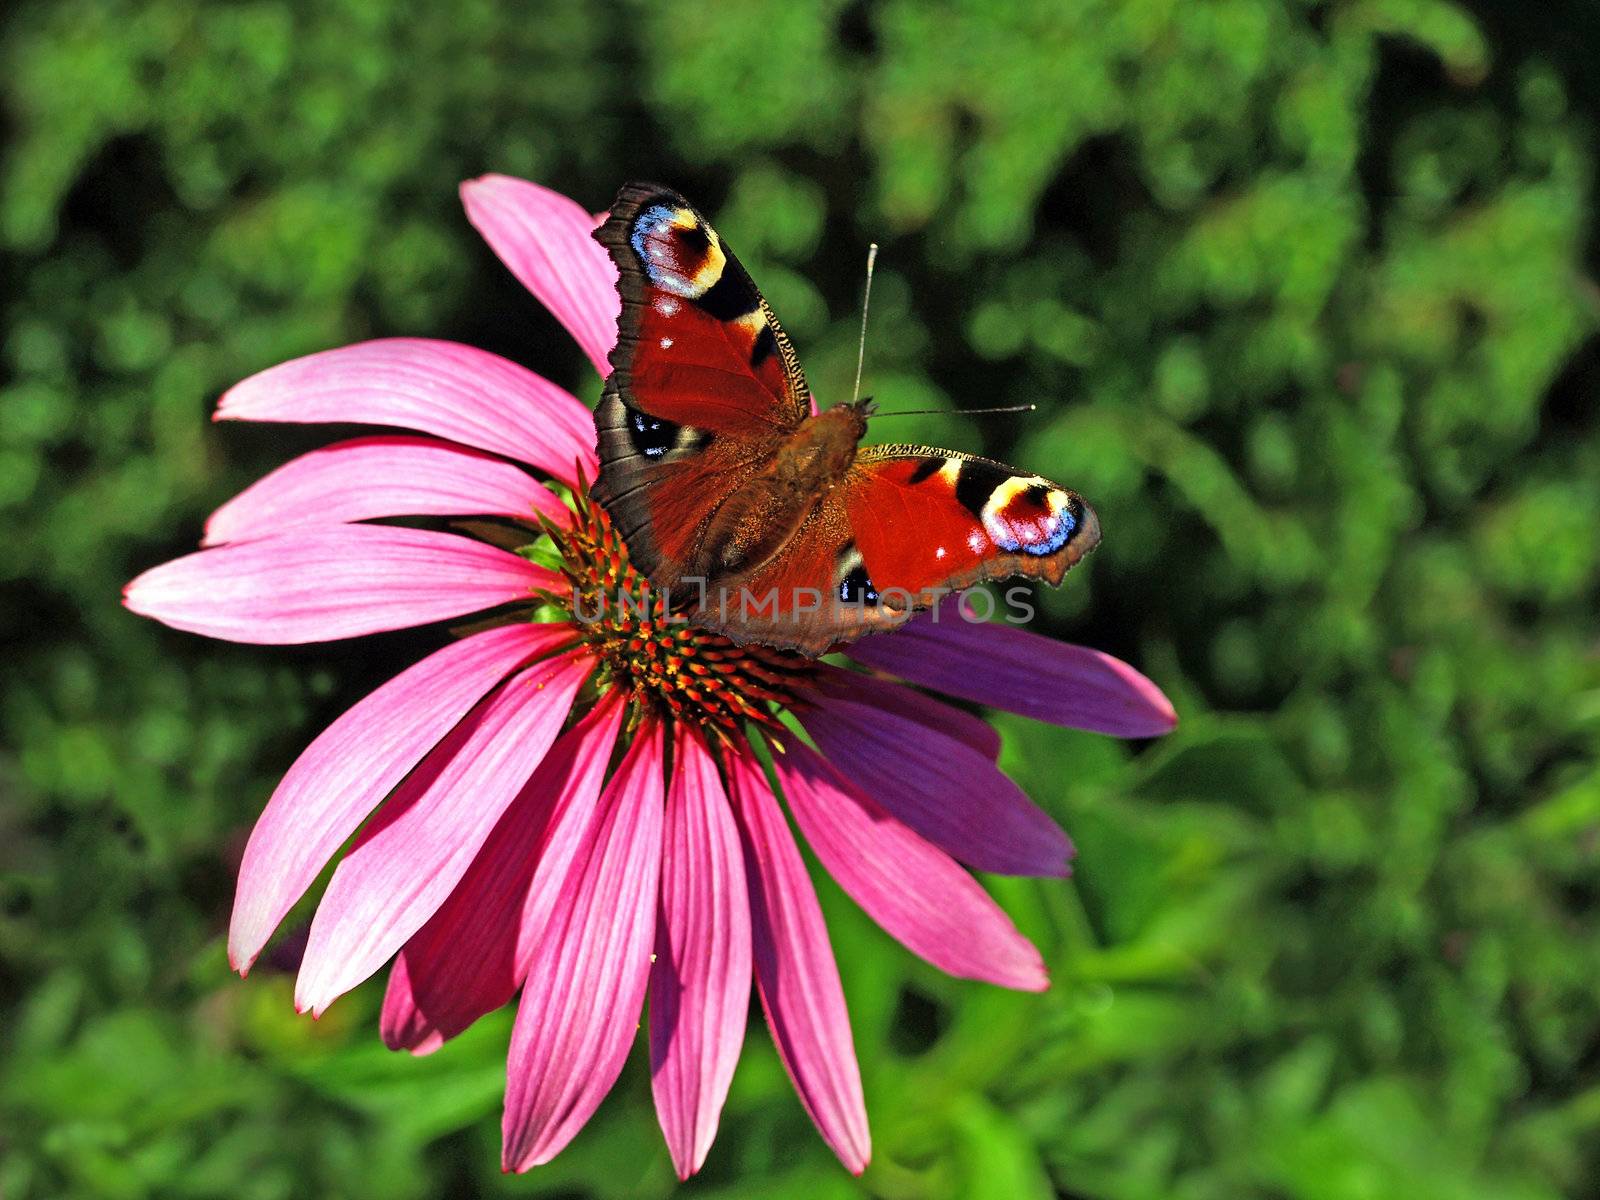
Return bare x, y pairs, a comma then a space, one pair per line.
579, 809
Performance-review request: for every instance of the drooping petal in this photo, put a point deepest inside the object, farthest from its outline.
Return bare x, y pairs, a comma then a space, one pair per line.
796, 975
700, 981
544, 238
907, 885
463, 963
415, 851
382, 477
942, 788
586, 982
1021, 672
354, 763
320, 584
914, 706
456, 392
402, 1024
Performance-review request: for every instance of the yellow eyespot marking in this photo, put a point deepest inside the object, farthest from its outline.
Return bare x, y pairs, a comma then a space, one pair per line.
1028, 514
679, 253
710, 270
1004, 493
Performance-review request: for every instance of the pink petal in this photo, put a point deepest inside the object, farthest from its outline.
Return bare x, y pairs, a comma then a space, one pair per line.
942, 788
415, 851
463, 962
354, 763
700, 982
914, 890
914, 706
1021, 672
586, 982
795, 971
402, 1023
453, 391
339, 581
545, 239
382, 477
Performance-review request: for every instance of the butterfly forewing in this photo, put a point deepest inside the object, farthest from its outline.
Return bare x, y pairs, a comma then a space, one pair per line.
976, 520
704, 382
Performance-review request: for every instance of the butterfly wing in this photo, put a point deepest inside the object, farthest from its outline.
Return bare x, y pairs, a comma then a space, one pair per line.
704, 382
977, 520
909, 525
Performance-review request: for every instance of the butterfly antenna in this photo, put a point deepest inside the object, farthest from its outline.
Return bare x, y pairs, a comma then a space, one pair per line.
919, 412
866, 301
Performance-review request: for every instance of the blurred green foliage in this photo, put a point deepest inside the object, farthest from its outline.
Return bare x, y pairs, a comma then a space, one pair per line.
1301, 289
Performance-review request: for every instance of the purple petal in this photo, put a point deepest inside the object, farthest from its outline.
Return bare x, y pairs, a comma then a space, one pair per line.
416, 850
700, 982
914, 890
453, 391
354, 763
795, 971
463, 962
903, 701
339, 581
545, 239
1021, 672
586, 982
942, 788
382, 477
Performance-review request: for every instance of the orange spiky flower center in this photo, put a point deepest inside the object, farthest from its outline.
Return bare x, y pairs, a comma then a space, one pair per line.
682, 671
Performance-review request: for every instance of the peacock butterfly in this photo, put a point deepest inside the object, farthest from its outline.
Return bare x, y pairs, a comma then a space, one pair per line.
726, 483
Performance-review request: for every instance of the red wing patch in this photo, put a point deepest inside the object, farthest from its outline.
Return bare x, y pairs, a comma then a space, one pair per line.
698, 344
975, 519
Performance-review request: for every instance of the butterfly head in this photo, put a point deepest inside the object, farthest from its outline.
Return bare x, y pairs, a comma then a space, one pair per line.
820, 451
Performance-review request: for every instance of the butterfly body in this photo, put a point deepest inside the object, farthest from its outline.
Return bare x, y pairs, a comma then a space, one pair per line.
721, 476
782, 492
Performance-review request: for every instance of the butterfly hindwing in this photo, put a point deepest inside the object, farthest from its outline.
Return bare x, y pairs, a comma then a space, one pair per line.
704, 381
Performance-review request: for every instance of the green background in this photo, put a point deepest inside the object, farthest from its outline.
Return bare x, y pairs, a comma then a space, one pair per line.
1302, 291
